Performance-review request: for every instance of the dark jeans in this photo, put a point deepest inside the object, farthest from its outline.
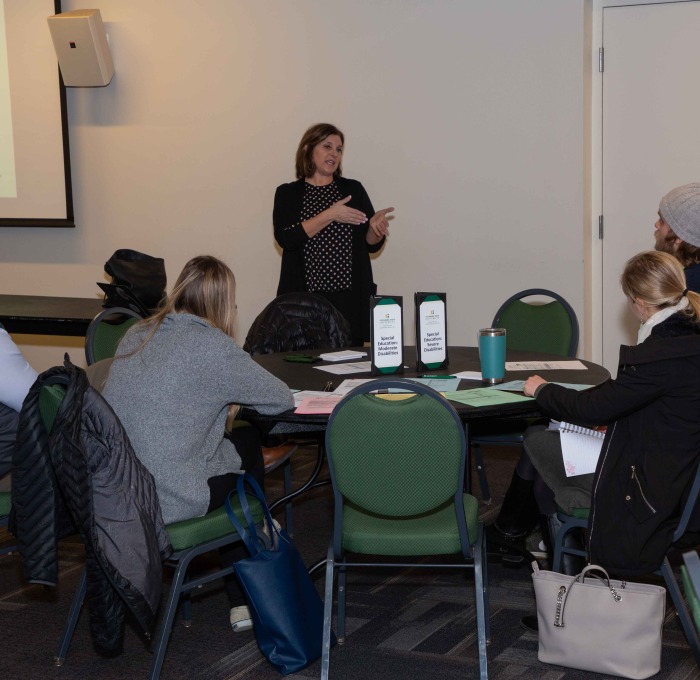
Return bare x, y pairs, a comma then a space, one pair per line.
247, 443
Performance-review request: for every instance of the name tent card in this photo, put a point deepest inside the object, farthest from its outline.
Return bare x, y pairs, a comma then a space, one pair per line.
431, 331
386, 322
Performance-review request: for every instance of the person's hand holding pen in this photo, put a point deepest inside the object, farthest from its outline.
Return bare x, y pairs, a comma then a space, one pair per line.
531, 385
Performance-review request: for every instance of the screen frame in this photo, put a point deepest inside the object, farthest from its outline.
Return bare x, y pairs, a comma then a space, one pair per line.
69, 220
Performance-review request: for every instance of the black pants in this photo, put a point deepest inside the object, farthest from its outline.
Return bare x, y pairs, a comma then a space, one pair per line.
247, 443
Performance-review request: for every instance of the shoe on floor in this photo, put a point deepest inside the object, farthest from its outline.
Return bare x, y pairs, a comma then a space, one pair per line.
274, 456
240, 619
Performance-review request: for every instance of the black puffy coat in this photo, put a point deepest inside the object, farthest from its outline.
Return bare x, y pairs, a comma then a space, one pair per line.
85, 476
296, 321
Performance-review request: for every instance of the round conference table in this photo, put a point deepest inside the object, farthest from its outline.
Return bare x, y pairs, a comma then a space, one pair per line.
305, 376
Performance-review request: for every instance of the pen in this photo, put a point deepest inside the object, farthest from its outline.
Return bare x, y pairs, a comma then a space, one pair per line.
438, 377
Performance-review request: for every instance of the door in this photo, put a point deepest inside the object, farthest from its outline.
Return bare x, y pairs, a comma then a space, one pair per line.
651, 138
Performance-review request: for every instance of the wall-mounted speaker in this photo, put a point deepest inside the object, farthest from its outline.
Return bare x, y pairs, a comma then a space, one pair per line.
81, 47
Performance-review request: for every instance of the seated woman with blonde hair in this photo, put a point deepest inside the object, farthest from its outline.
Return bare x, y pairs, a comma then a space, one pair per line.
651, 409
172, 383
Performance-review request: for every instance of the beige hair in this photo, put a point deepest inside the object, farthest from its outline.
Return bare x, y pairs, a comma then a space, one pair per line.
657, 279
315, 135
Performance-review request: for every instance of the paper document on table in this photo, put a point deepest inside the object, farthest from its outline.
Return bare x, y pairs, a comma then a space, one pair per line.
563, 365
485, 396
314, 405
468, 375
300, 395
350, 384
518, 386
580, 448
446, 384
344, 369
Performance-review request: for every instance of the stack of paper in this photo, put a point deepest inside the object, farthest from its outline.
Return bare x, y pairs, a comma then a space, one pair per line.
342, 355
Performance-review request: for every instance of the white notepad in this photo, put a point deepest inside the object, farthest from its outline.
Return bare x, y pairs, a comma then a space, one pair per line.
580, 448
342, 355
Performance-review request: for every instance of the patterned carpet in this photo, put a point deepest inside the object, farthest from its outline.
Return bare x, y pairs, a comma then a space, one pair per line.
410, 623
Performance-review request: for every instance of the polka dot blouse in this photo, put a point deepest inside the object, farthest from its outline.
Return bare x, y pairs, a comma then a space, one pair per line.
328, 254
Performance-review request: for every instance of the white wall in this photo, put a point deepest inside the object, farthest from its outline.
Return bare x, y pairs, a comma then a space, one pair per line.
466, 115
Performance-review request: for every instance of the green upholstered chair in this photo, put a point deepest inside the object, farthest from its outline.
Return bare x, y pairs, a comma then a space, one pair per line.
537, 326
5, 507
106, 330
578, 520
190, 538
690, 572
397, 468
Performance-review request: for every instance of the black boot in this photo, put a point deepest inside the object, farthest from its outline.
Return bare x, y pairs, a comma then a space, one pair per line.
517, 517
519, 514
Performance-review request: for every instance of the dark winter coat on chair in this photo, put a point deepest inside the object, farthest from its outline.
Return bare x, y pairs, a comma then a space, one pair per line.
85, 475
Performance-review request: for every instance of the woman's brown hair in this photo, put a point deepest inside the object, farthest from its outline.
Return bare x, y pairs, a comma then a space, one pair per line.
314, 135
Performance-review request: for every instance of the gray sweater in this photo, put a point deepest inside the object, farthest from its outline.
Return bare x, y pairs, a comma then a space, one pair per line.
172, 398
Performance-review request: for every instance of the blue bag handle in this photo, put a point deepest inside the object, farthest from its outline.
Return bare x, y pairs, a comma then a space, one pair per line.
250, 536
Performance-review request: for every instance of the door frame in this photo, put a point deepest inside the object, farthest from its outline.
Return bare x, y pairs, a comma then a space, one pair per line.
593, 259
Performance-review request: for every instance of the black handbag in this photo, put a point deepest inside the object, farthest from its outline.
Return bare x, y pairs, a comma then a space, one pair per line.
284, 605
138, 281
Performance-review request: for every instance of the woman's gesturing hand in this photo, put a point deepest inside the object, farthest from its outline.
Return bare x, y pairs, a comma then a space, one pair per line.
379, 225
340, 212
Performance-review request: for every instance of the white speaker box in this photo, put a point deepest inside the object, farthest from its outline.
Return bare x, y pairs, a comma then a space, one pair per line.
81, 47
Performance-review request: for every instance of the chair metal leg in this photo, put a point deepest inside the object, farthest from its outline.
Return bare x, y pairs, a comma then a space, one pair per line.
287, 491
568, 525
342, 583
686, 621
481, 603
73, 615
166, 624
327, 614
481, 471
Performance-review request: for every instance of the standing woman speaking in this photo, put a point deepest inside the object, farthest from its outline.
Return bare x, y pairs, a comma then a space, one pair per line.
327, 227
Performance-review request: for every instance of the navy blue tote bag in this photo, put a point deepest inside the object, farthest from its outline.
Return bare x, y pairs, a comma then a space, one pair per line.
285, 607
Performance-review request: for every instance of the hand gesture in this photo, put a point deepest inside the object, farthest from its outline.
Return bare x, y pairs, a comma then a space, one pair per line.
379, 223
340, 212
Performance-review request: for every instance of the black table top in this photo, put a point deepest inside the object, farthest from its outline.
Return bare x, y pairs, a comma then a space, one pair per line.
47, 315
299, 376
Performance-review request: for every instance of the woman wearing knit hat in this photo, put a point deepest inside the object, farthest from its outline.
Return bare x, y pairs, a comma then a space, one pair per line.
678, 230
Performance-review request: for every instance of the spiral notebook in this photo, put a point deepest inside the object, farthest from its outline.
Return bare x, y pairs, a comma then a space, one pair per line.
580, 448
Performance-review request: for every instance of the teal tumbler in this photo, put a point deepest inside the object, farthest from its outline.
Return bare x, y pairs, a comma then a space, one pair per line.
492, 352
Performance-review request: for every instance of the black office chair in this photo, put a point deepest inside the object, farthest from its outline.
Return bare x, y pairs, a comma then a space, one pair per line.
293, 322
297, 321
550, 327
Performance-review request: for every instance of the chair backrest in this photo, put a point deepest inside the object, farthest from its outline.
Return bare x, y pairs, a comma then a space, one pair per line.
50, 398
106, 330
395, 458
691, 510
296, 321
539, 327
